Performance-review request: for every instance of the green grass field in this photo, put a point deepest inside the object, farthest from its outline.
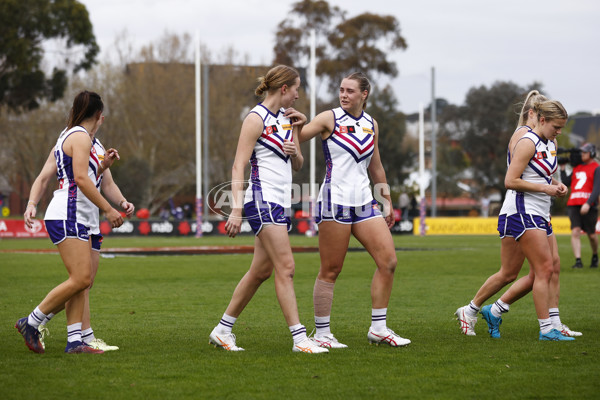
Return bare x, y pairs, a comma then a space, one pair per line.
160, 310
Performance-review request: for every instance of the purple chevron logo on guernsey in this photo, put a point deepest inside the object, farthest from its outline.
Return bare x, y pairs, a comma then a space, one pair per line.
358, 148
273, 141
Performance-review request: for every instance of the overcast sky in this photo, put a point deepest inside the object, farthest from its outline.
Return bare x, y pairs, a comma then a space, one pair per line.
469, 42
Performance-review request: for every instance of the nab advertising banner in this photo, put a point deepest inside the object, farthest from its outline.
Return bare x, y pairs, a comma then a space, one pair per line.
15, 228
188, 228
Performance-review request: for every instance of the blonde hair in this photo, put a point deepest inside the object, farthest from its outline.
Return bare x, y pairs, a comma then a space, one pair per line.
533, 98
550, 109
363, 84
275, 78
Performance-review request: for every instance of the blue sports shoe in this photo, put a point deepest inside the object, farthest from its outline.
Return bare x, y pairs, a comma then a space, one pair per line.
493, 322
554, 335
31, 335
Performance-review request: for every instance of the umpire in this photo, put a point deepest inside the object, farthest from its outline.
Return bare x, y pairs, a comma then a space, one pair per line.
582, 204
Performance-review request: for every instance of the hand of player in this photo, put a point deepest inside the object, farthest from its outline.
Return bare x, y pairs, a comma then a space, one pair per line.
290, 148
29, 215
128, 207
562, 190
388, 214
114, 217
234, 223
110, 157
295, 116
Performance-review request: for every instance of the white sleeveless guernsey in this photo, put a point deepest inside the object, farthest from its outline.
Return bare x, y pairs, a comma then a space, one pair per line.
540, 169
100, 153
271, 169
348, 151
68, 202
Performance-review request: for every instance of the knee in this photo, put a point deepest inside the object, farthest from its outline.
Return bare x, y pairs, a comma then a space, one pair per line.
509, 274
81, 282
556, 266
262, 276
287, 269
544, 272
509, 277
329, 273
388, 264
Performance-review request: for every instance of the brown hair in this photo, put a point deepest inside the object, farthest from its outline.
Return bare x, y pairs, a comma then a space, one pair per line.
275, 78
533, 98
85, 105
363, 84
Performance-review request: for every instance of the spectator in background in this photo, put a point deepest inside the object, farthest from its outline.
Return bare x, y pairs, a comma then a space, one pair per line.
583, 201
414, 206
163, 213
485, 206
403, 204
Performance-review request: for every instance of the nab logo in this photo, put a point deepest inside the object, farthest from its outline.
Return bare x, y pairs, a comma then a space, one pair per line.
35, 228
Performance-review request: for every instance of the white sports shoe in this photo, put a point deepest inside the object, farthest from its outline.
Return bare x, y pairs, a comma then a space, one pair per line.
308, 345
568, 332
329, 342
44, 333
224, 340
100, 344
467, 324
388, 337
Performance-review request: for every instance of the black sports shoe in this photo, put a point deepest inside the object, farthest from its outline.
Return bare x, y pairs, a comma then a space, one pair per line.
594, 263
578, 264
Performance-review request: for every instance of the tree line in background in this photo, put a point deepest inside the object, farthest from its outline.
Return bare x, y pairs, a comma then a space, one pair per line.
149, 97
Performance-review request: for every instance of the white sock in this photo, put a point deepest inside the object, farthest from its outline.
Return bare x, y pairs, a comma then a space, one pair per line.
471, 310
298, 333
87, 335
555, 318
545, 325
226, 324
74, 332
378, 319
36, 317
498, 308
47, 319
322, 325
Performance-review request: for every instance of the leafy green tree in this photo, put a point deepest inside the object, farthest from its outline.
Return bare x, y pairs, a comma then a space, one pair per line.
292, 46
476, 135
362, 43
382, 105
25, 27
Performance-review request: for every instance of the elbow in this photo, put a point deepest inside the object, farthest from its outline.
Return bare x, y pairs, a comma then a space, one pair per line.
509, 184
80, 180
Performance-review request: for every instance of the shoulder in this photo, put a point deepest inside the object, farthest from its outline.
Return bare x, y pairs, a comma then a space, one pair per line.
253, 123
260, 111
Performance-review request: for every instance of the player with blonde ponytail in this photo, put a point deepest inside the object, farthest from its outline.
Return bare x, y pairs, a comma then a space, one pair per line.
512, 258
